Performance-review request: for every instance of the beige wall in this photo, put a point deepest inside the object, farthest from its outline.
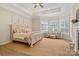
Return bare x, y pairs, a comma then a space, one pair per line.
73, 11
74, 8
6, 18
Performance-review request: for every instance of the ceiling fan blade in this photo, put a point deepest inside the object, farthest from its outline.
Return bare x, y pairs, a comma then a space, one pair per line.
41, 6
35, 6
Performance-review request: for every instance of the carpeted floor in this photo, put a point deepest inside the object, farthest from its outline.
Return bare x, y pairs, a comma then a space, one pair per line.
45, 47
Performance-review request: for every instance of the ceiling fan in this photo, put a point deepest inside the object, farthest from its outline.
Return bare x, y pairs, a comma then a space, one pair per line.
38, 5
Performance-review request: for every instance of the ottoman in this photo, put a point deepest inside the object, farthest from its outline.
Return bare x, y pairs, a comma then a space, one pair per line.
52, 36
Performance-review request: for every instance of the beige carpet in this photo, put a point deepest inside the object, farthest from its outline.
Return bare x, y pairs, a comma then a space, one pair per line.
45, 47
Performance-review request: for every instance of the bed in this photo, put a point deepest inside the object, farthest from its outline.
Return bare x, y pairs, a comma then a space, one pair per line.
24, 34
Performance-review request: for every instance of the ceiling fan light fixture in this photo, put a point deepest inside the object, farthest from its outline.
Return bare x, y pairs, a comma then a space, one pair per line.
38, 5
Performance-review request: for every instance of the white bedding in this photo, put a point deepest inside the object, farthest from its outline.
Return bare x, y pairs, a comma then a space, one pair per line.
21, 35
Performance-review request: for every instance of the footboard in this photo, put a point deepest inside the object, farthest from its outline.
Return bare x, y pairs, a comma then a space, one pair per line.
35, 37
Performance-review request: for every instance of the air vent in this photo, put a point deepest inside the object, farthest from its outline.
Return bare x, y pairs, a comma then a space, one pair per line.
51, 11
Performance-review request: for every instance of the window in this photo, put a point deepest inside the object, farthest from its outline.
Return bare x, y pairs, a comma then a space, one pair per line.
44, 25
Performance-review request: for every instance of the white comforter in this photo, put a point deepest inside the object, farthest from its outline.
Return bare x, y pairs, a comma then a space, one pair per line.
21, 35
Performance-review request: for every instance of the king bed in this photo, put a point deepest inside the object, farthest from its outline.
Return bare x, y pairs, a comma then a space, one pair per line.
25, 34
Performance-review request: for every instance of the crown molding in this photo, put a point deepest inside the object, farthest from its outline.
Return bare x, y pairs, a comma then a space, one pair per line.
17, 9
22, 9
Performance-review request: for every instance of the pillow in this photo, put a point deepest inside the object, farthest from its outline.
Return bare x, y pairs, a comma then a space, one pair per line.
24, 31
19, 30
28, 30
14, 31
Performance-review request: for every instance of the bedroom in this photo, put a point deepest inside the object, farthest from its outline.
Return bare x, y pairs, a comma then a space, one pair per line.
54, 19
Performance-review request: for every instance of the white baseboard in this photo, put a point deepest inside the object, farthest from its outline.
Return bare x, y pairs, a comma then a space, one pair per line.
3, 43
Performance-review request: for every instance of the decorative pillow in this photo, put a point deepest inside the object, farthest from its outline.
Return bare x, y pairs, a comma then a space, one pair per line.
14, 28
23, 30
28, 30
14, 31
